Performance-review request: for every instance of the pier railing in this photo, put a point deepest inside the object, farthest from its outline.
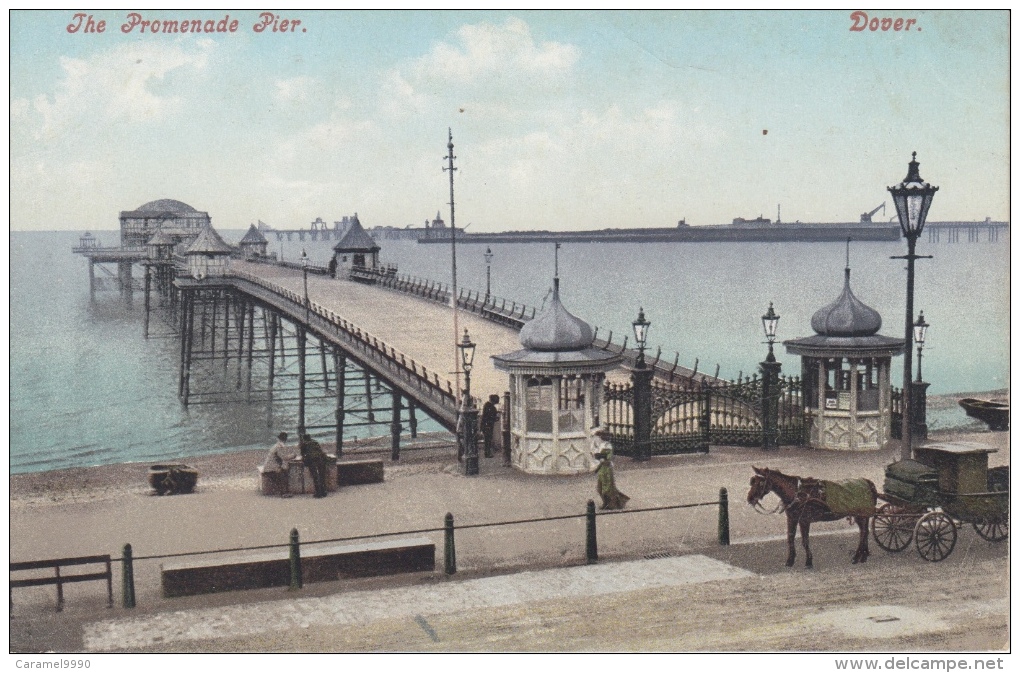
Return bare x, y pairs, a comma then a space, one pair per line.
436, 395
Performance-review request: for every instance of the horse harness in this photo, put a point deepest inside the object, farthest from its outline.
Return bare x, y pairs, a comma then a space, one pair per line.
807, 491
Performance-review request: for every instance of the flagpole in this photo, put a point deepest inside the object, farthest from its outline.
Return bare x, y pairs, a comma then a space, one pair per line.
453, 256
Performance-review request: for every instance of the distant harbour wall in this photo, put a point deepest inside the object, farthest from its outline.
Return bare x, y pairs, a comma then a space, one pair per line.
705, 234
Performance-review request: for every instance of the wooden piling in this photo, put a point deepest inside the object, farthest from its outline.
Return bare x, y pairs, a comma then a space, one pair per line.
395, 427
340, 369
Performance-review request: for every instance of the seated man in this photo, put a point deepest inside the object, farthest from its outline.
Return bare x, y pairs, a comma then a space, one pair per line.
275, 465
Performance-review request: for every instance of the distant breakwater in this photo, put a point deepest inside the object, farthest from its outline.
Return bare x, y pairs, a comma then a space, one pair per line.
702, 234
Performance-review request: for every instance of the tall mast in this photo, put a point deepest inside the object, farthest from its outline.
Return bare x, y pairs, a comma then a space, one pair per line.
453, 256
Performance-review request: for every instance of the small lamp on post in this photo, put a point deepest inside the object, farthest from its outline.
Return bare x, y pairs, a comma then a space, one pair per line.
912, 199
641, 336
770, 384
488, 273
469, 413
304, 274
642, 379
920, 329
919, 388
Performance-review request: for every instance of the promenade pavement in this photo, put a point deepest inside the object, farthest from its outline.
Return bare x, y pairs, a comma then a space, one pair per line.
500, 565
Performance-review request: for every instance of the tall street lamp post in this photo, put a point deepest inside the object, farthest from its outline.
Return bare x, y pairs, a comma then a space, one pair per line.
469, 413
488, 273
912, 199
770, 384
642, 379
919, 392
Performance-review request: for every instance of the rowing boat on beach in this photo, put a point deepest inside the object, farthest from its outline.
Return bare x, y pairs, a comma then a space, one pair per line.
993, 412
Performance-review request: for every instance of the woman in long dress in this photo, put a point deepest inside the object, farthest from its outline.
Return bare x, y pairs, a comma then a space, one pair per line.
605, 484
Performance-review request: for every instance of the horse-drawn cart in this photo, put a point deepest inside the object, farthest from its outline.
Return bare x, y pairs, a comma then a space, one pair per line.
926, 499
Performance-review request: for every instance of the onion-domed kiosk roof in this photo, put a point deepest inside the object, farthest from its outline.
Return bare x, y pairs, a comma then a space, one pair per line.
554, 339
845, 327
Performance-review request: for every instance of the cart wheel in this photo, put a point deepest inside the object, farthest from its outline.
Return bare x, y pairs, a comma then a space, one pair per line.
935, 536
994, 530
893, 527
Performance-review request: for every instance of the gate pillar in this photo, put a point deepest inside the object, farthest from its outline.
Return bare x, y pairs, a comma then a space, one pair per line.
642, 378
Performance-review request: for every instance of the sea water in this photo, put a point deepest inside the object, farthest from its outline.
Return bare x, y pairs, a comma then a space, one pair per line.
87, 389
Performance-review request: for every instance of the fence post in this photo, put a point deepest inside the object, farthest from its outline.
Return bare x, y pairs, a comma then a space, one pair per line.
591, 551
724, 517
295, 561
449, 551
127, 572
642, 378
706, 416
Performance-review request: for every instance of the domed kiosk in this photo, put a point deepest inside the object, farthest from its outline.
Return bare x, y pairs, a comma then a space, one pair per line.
845, 374
556, 385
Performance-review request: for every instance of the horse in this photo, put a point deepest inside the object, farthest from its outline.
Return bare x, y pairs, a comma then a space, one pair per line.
803, 500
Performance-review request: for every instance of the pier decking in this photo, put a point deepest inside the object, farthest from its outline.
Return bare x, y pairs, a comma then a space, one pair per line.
418, 329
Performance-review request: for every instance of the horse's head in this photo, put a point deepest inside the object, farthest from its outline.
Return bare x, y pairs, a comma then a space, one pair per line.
760, 486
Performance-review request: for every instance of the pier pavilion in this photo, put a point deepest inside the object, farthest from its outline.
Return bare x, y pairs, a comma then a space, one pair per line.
173, 218
845, 375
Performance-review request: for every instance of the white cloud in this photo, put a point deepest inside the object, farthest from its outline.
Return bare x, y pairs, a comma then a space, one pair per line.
397, 95
296, 89
118, 84
485, 49
485, 63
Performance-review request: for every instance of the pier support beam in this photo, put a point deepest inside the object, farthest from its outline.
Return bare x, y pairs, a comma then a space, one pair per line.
273, 329
412, 419
395, 428
148, 283
251, 347
92, 280
126, 288
340, 369
189, 339
301, 336
368, 396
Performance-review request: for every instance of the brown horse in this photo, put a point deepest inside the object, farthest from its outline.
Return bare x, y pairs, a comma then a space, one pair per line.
803, 500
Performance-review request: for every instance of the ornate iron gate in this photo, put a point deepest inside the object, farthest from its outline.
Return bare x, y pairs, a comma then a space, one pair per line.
896, 397
688, 417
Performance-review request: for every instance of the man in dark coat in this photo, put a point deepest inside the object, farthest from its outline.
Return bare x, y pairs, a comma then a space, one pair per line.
489, 418
314, 459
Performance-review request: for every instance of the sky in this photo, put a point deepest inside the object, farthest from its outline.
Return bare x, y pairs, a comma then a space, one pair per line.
560, 120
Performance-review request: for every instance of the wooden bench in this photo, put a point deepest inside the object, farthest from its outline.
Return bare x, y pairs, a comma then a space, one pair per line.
320, 563
352, 472
61, 580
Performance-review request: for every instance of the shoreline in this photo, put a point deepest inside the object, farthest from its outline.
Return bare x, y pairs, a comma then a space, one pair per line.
216, 462
236, 470
230, 470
